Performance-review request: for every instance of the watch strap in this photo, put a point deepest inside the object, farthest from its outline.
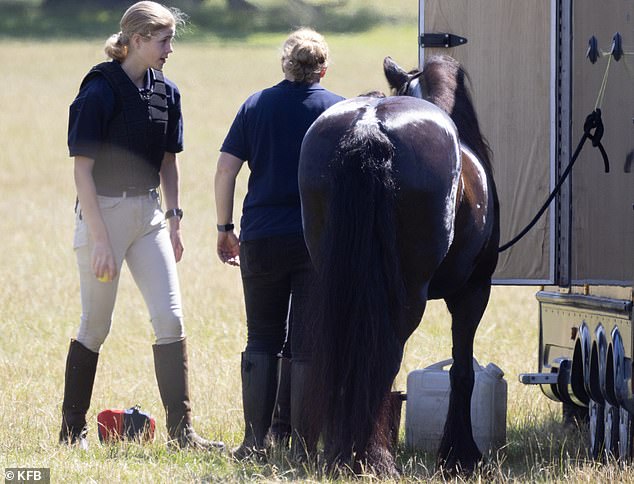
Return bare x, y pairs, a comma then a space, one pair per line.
225, 227
174, 212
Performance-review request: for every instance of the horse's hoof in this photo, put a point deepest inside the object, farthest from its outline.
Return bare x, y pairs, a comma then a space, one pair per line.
383, 470
379, 461
450, 471
453, 466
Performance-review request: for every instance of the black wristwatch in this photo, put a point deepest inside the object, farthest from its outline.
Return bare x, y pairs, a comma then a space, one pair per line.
225, 227
174, 212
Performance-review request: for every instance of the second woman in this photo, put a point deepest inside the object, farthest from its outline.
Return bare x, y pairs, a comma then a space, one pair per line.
274, 262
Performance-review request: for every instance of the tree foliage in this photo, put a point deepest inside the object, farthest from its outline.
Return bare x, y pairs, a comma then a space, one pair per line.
219, 18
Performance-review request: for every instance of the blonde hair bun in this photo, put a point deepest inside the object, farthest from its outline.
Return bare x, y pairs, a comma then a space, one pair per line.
304, 55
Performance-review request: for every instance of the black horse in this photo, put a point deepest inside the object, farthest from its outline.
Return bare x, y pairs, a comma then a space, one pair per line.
399, 207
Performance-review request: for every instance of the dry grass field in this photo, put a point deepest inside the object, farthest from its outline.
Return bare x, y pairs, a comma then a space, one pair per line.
39, 301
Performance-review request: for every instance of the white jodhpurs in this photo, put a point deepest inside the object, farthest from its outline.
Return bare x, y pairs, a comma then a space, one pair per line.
138, 234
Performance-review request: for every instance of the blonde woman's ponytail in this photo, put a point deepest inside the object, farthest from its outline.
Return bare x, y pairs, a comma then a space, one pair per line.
116, 47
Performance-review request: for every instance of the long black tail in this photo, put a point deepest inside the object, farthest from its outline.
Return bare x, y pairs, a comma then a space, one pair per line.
359, 295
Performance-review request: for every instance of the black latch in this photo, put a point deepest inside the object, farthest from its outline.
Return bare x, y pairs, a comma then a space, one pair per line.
617, 47
441, 40
593, 49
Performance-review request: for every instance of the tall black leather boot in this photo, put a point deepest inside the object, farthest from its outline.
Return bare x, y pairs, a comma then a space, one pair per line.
280, 431
170, 365
259, 385
81, 366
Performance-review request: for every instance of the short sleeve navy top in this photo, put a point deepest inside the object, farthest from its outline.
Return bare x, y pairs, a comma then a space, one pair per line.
268, 132
94, 106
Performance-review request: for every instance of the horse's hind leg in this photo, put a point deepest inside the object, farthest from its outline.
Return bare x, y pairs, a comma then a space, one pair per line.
378, 457
458, 451
379, 454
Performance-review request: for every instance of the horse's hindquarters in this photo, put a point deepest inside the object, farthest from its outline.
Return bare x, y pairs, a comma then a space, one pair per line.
378, 180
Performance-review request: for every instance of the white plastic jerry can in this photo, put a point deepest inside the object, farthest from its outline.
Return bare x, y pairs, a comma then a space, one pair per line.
428, 400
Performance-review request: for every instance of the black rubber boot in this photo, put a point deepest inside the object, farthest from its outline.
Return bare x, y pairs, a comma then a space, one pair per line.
280, 431
81, 366
304, 434
259, 382
170, 365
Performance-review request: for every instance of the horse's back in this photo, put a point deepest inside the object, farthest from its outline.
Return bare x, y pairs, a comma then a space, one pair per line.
425, 167
413, 125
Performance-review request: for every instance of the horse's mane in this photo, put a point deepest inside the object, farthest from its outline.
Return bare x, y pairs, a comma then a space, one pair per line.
444, 84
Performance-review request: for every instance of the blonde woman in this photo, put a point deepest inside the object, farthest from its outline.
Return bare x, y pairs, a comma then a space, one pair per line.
125, 128
267, 133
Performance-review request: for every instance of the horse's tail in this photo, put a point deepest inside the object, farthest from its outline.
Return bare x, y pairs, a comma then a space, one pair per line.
359, 295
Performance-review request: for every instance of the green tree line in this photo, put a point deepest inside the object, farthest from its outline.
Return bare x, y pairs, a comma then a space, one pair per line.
221, 18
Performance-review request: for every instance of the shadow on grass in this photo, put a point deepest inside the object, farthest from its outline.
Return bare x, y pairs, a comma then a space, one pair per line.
73, 19
544, 451
536, 451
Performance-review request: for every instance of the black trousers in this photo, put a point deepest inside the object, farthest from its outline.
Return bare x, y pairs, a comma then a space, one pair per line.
277, 275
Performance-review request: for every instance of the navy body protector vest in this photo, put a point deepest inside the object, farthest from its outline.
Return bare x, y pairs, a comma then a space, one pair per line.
130, 157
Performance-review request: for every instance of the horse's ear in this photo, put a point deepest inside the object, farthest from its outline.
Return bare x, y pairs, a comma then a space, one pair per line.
396, 77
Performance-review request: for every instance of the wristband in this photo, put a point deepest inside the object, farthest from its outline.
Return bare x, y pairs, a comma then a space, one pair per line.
225, 227
174, 212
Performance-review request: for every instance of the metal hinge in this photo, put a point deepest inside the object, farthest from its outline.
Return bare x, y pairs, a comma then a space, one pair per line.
441, 40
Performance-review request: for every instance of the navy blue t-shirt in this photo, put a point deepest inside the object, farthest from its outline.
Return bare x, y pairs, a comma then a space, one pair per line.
94, 106
268, 132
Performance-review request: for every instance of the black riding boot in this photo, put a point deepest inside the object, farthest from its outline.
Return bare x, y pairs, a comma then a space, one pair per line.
81, 366
258, 371
280, 431
304, 434
170, 365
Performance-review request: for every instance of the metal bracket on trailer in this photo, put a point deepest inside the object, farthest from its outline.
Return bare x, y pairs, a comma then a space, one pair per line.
538, 378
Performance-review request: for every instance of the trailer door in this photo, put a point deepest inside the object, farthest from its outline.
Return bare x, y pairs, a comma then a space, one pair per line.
602, 237
510, 58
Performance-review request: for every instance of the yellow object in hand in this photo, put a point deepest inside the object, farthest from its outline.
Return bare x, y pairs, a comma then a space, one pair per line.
104, 278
